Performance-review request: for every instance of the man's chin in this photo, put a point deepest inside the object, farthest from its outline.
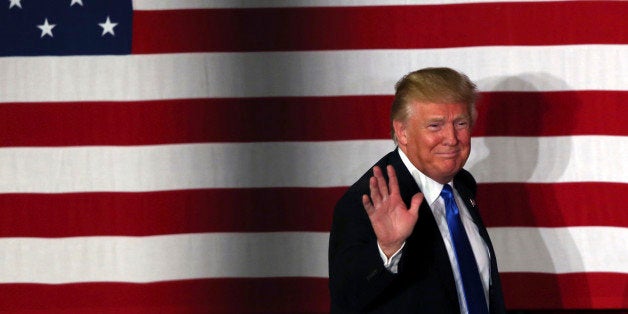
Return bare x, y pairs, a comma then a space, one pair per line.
450, 171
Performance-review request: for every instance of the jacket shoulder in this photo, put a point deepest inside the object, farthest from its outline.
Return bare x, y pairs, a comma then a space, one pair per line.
465, 178
350, 203
361, 186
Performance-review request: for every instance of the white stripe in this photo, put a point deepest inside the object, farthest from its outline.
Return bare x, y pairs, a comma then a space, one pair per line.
283, 254
561, 250
186, 166
294, 164
549, 159
157, 258
309, 73
221, 4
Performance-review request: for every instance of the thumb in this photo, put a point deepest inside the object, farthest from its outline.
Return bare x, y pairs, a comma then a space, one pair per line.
415, 203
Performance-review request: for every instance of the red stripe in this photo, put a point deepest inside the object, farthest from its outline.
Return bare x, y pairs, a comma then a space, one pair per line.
553, 205
552, 113
193, 120
271, 295
284, 209
294, 119
168, 212
397, 27
289, 295
568, 291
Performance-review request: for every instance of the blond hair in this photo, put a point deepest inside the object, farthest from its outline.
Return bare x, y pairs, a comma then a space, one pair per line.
432, 85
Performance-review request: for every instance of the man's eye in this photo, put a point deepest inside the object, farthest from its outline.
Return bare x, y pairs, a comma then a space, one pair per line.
462, 124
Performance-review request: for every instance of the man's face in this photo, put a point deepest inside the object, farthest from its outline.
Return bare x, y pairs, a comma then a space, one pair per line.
436, 138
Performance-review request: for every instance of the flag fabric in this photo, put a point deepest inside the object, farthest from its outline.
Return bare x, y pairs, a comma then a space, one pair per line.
185, 156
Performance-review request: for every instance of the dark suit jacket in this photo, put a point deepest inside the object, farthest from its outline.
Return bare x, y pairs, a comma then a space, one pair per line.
358, 280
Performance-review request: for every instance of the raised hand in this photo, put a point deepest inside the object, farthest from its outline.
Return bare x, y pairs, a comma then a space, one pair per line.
391, 219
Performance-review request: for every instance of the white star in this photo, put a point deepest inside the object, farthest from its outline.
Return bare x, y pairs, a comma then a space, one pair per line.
15, 3
46, 29
79, 2
107, 27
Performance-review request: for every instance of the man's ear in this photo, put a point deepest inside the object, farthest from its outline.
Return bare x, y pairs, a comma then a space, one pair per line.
400, 132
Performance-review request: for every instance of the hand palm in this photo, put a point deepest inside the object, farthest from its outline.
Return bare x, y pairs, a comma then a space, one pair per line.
391, 219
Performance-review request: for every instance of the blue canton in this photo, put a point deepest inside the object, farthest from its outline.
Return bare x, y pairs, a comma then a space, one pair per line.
65, 27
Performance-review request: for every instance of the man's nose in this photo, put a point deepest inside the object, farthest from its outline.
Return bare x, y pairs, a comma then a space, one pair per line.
450, 137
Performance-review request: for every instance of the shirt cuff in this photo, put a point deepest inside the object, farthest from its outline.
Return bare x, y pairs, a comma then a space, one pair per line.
392, 263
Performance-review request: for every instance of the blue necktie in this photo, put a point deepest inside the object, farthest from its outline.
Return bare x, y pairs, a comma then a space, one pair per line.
473, 290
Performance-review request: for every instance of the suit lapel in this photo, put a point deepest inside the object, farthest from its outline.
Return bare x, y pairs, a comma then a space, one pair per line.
469, 200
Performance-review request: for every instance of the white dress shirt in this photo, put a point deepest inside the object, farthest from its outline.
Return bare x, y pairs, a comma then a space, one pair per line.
431, 192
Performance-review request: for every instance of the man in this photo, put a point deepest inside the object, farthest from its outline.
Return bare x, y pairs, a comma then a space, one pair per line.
407, 237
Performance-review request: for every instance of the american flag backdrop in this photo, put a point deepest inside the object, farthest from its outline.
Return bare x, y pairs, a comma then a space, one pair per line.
184, 156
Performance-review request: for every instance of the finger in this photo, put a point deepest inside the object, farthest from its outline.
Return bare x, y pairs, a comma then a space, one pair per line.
368, 206
381, 182
392, 180
415, 203
376, 196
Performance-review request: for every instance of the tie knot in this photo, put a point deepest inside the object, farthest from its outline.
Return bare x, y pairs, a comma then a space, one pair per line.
447, 193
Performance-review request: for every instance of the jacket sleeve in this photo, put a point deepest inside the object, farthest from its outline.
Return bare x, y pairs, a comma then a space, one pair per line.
357, 276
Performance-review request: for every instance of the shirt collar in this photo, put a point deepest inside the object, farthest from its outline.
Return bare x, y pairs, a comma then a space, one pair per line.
430, 188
